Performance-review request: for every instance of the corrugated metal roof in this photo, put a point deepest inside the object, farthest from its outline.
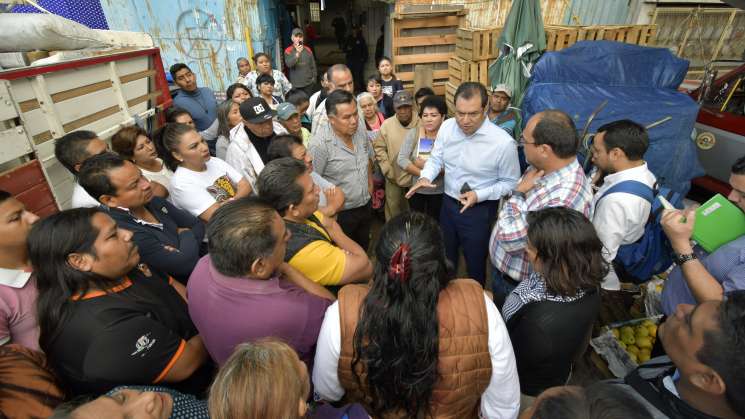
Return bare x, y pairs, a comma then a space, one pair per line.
594, 12
484, 13
208, 35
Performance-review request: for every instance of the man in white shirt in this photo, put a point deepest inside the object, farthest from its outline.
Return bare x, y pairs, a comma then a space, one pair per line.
72, 150
617, 152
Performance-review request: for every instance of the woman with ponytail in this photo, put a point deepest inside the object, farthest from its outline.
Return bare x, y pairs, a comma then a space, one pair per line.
200, 183
416, 343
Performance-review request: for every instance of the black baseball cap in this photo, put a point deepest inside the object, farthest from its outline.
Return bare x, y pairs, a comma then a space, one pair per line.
255, 110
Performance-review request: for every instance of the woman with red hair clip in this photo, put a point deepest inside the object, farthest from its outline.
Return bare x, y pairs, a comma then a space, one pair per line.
416, 342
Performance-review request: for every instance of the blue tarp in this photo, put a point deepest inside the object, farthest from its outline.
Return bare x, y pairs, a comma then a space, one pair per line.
639, 83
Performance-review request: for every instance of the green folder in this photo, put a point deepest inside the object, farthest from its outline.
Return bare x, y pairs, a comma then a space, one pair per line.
718, 222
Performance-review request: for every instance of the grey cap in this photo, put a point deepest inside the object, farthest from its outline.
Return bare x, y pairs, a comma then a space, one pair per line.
296, 31
402, 98
502, 88
286, 110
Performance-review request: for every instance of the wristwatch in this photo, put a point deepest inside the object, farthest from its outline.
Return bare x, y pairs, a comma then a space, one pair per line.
518, 194
681, 259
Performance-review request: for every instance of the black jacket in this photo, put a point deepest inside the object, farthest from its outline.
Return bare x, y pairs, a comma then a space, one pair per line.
165, 250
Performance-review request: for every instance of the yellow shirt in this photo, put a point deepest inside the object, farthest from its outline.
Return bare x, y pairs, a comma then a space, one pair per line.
320, 260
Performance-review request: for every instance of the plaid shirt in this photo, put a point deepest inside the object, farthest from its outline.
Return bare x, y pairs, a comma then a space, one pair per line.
566, 187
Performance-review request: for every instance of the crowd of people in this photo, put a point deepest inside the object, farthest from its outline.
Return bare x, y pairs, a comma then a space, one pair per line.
221, 266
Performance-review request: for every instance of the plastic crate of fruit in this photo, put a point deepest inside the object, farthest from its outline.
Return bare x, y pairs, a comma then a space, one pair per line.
625, 345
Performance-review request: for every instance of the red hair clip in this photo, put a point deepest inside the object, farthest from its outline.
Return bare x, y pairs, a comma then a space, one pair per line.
400, 266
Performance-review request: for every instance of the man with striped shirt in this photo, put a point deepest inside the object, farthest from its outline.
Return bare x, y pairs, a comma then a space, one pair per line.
555, 179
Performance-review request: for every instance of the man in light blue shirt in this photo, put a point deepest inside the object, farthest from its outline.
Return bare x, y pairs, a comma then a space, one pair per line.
481, 166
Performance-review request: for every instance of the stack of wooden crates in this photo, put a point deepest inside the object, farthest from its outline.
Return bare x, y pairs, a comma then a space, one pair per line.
425, 36
475, 49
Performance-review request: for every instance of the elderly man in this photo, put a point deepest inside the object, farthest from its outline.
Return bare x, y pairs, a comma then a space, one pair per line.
500, 112
250, 139
480, 164
343, 156
393, 131
288, 122
555, 179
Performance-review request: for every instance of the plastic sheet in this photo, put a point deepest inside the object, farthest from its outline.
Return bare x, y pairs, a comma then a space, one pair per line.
639, 83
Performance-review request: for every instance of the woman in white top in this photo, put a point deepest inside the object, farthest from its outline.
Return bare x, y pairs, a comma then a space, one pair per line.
228, 116
415, 342
264, 66
200, 183
132, 143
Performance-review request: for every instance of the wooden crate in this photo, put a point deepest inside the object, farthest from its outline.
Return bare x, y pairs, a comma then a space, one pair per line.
478, 43
461, 70
634, 34
450, 97
560, 37
425, 38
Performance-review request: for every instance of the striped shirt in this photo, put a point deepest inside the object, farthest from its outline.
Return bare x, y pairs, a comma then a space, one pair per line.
566, 187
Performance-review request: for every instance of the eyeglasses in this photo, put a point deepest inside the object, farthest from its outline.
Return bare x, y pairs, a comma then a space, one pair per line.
522, 141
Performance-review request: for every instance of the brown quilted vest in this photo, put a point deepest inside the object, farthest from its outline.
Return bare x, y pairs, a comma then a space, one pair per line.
464, 364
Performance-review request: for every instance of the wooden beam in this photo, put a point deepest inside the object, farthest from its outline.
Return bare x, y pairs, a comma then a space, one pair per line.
78, 123
80, 91
28, 105
409, 75
42, 137
144, 98
438, 87
135, 76
423, 41
422, 58
429, 22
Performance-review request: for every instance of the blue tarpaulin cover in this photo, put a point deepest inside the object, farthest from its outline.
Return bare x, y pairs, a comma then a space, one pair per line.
639, 83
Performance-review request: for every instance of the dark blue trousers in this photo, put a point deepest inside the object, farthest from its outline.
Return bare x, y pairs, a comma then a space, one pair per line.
469, 231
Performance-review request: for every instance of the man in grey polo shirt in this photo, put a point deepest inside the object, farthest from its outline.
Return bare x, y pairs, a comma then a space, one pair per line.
343, 156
